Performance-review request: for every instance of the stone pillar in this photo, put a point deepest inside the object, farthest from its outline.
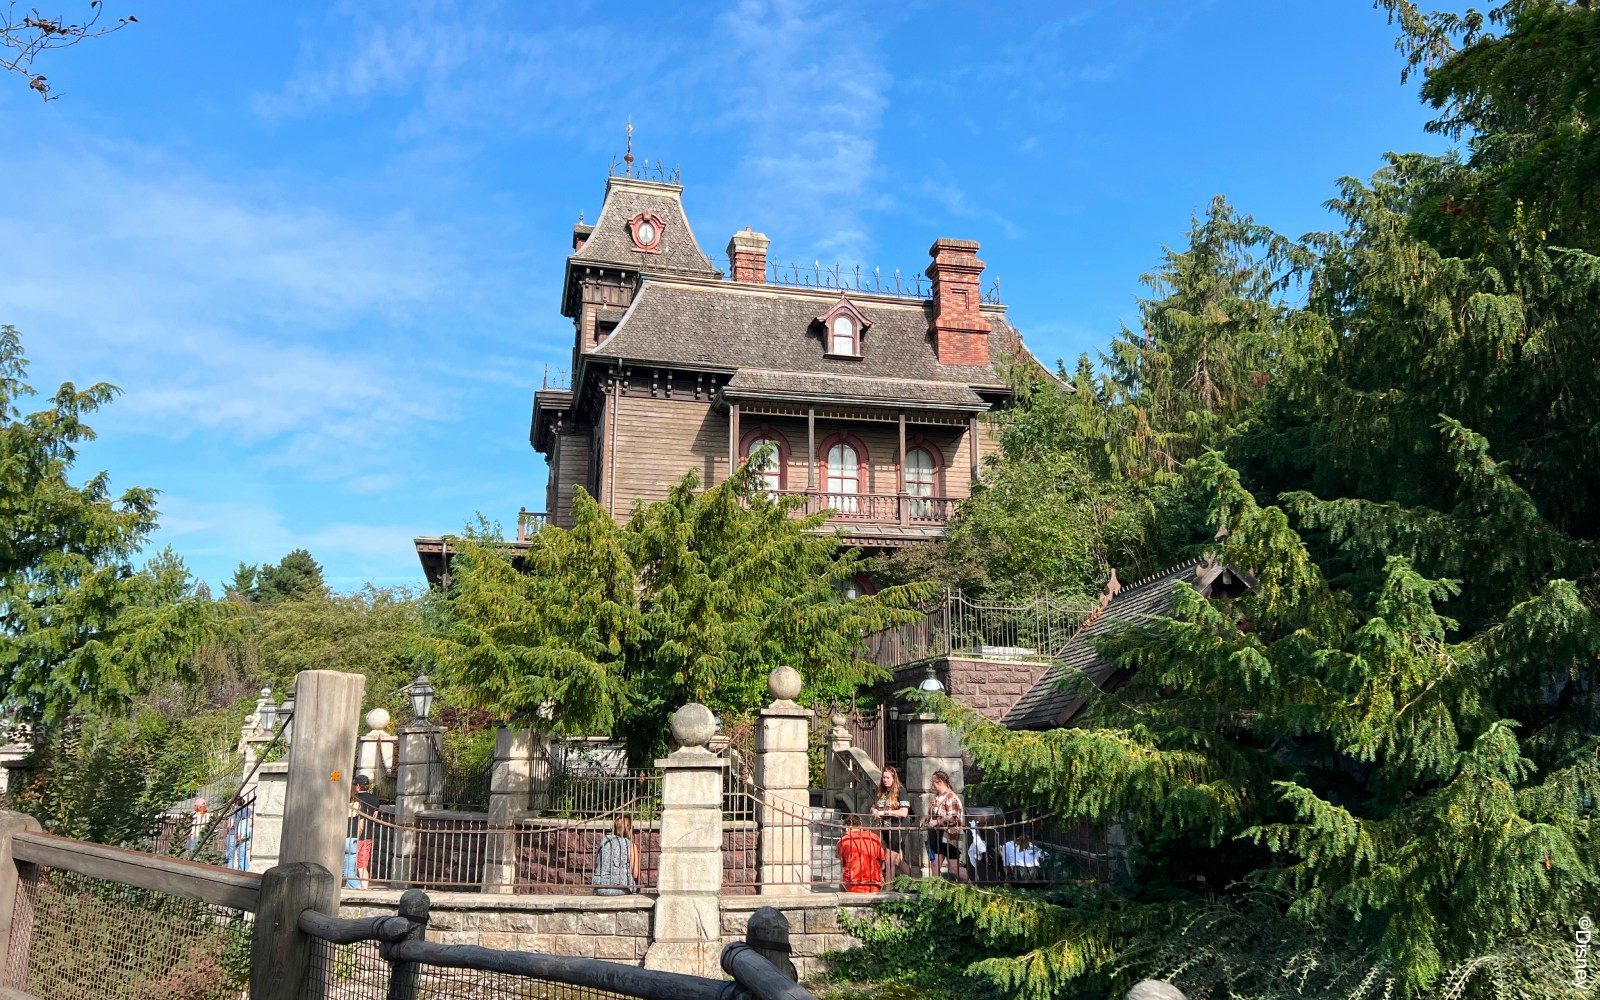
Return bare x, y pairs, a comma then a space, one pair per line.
836, 771
419, 786
316, 809
375, 755
783, 773
687, 929
930, 747
510, 791
266, 835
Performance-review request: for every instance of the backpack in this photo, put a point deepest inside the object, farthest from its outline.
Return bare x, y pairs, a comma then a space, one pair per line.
613, 868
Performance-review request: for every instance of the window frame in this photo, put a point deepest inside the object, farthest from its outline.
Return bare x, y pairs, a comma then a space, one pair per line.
764, 433
863, 468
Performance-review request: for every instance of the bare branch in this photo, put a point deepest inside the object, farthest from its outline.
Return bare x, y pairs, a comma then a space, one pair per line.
25, 34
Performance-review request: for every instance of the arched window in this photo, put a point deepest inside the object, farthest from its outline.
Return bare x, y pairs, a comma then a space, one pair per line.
844, 473
921, 473
768, 455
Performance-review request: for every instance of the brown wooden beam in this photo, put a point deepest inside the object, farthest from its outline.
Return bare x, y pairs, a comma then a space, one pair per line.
733, 438
972, 447
811, 447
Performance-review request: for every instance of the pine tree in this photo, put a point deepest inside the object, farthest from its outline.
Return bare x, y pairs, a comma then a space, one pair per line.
296, 577
243, 584
80, 627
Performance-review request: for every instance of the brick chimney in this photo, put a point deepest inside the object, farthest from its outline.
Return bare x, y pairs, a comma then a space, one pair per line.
580, 236
747, 257
960, 335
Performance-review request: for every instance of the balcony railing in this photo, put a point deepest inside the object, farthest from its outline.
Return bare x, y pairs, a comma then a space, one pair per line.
530, 521
875, 508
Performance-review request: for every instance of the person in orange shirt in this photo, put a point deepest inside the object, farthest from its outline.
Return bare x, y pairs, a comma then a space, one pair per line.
862, 857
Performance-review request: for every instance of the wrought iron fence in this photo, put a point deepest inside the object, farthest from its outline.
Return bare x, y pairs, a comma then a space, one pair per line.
853, 278
955, 625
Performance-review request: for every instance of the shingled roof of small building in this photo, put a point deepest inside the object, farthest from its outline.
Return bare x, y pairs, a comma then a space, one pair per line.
725, 325
611, 242
1050, 704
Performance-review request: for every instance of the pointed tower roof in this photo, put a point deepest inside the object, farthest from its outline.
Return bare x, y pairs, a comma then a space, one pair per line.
668, 245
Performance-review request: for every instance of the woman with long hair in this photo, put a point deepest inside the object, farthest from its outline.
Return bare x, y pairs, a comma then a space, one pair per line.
891, 808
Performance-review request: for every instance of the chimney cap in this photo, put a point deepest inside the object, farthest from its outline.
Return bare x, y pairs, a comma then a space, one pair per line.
748, 239
958, 246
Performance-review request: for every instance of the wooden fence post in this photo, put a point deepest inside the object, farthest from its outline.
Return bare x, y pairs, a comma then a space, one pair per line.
280, 953
316, 806
15, 934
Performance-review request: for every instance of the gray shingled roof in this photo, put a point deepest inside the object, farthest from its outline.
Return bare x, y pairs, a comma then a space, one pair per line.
764, 383
1047, 705
728, 325
612, 242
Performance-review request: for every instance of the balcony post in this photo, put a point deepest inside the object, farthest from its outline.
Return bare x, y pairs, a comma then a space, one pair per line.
811, 449
901, 503
972, 446
733, 438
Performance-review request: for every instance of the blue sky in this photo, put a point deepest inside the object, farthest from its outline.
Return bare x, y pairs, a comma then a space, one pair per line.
319, 246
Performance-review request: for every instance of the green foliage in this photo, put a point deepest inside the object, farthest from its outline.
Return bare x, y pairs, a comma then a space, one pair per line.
296, 577
375, 632
909, 950
109, 779
611, 627
80, 627
243, 584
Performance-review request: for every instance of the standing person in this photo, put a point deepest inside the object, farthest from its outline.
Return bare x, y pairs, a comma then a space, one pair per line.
616, 866
945, 822
367, 803
891, 808
239, 856
861, 858
197, 825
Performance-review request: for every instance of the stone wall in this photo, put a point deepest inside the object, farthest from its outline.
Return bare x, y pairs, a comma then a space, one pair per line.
616, 928
990, 687
813, 923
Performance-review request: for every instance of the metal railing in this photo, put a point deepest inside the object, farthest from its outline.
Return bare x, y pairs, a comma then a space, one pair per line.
529, 522
404, 964
873, 508
867, 854
852, 278
957, 625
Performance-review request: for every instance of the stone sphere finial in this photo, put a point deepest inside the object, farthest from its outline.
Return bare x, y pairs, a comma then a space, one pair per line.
693, 725
837, 720
1152, 989
783, 684
378, 718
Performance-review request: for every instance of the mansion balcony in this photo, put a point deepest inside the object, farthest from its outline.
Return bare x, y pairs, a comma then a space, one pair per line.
886, 520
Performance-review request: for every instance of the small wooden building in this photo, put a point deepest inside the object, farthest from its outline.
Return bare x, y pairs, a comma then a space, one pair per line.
867, 389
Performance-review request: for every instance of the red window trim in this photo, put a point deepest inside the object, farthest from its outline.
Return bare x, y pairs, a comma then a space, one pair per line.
865, 484
935, 453
654, 246
750, 438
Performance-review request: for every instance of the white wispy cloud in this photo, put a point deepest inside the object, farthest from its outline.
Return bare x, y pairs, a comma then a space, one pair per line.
223, 308
809, 90
954, 199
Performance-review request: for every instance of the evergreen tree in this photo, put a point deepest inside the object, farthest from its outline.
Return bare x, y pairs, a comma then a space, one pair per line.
608, 628
296, 577
243, 584
80, 628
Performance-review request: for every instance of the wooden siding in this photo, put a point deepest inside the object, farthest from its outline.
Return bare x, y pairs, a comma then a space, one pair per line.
569, 467
658, 440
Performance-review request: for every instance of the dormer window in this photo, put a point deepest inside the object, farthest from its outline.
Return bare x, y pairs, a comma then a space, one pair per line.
842, 329
842, 338
645, 228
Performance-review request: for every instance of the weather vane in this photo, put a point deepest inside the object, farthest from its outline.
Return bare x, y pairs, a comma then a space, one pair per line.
628, 157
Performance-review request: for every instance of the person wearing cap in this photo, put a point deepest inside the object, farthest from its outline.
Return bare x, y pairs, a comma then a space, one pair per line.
358, 836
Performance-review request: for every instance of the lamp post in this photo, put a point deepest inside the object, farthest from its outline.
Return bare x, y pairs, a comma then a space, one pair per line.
266, 711
286, 716
422, 693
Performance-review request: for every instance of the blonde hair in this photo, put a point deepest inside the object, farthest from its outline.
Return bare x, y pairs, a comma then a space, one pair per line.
622, 826
898, 789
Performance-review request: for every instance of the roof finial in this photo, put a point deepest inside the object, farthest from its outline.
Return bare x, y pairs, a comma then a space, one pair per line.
628, 157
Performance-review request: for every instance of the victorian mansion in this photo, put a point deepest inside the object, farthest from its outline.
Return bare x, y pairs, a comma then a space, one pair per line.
867, 391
